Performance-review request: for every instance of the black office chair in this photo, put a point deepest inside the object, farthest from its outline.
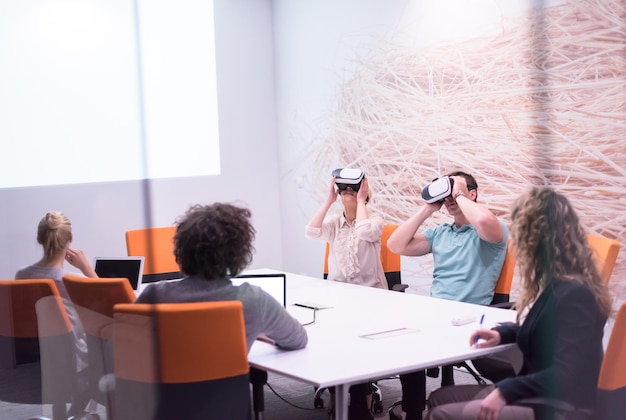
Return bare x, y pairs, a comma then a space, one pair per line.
94, 299
36, 345
181, 361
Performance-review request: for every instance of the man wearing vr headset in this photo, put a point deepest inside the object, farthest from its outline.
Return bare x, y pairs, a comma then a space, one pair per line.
468, 257
354, 256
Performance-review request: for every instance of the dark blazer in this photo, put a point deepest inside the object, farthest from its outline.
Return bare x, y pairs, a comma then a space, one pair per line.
561, 340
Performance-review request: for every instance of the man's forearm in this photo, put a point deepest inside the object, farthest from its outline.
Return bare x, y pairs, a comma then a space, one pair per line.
484, 221
402, 240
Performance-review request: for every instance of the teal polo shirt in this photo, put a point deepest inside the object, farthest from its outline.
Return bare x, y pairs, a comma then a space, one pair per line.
466, 266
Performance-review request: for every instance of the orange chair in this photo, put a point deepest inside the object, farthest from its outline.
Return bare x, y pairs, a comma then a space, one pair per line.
498, 367
97, 295
502, 291
605, 252
181, 360
156, 246
612, 379
94, 299
389, 260
36, 344
611, 397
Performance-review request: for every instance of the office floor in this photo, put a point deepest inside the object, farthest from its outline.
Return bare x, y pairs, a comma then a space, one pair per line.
302, 395
292, 400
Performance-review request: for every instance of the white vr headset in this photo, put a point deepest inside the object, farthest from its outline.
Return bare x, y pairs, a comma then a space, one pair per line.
438, 190
348, 177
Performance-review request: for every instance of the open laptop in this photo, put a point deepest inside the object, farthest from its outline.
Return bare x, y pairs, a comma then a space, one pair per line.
275, 284
126, 267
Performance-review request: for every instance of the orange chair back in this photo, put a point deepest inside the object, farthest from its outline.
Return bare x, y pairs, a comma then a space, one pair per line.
156, 245
19, 327
613, 371
193, 342
34, 327
185, 360
95, 298
390, 260
611, 402
605, 252
502, 291
17, 302
326, 253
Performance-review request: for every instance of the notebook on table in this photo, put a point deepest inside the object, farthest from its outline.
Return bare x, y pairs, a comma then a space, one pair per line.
274, 284
126, 267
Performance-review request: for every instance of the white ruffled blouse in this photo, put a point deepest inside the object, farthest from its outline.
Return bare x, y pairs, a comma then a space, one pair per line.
354, 250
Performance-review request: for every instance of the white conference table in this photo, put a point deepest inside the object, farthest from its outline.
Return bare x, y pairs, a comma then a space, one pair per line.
364, 334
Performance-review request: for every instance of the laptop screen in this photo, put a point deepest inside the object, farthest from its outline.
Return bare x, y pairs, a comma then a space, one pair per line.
274, 284
126, 267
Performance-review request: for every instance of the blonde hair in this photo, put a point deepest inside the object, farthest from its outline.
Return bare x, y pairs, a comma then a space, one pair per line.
54, 232
552, 245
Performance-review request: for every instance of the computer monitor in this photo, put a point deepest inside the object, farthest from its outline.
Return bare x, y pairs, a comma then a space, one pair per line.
274, 284
125, 267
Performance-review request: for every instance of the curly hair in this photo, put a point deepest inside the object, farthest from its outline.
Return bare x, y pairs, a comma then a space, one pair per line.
552, 245
214, 241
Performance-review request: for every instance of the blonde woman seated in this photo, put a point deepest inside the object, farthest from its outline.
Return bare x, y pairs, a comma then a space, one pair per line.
54, 234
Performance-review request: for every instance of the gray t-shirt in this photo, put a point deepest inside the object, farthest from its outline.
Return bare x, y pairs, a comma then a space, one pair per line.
56, 274
262, 313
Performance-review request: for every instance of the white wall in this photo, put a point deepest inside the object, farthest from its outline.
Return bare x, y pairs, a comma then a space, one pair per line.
101, 213
334, 62
315, 41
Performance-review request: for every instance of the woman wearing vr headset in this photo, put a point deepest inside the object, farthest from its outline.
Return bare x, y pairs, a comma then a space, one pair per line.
354, 257
353, 235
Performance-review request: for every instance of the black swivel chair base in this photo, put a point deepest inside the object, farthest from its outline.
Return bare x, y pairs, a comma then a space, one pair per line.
447, 373
376, 405
393, 415
258, 379
447, 379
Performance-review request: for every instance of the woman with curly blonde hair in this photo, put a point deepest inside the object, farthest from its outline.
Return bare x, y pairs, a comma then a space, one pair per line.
561, 314
551, 244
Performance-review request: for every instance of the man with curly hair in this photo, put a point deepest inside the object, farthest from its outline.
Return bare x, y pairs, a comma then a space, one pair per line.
213, 243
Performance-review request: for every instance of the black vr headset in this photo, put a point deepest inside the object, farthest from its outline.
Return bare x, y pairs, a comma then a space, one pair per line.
348, 177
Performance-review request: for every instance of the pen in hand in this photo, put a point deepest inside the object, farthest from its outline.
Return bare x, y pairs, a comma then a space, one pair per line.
480, 325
